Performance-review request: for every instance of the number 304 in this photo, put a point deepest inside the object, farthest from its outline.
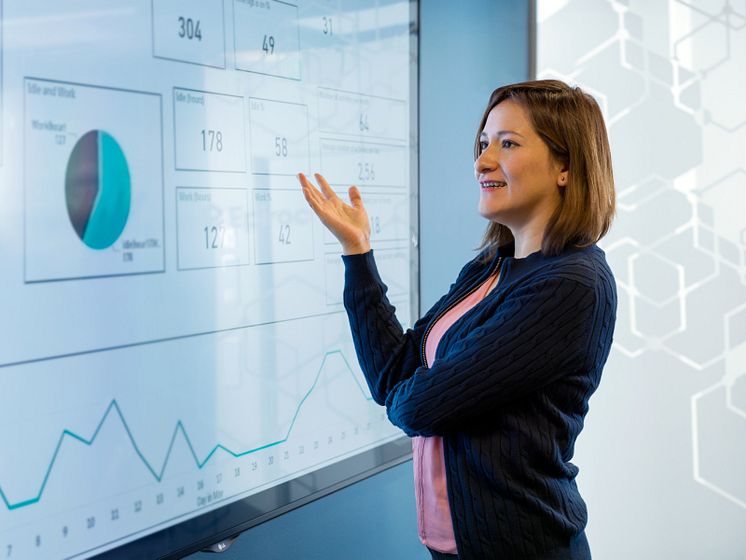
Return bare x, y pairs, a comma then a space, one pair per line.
189, 29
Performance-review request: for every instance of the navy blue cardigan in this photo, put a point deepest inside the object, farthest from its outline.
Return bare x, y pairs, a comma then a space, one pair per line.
508, 391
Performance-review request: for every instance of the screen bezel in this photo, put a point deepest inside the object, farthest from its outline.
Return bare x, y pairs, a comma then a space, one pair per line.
195, 534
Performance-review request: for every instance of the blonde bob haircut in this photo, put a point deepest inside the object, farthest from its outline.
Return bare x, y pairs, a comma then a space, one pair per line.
570, 123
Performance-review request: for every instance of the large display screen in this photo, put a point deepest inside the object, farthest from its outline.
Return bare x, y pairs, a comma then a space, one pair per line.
175, 359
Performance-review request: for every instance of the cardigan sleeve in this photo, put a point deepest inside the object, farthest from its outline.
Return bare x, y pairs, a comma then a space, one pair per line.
386, 353
541, 331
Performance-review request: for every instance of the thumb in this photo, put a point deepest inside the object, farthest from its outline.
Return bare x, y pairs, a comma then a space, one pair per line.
355, 198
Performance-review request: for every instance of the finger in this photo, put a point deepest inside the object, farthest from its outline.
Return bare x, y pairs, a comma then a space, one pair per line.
355, 198
304, 182
326, 189
313, 200
305, 187
309, 189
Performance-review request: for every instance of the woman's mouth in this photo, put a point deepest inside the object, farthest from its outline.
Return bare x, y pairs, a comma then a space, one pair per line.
493, 184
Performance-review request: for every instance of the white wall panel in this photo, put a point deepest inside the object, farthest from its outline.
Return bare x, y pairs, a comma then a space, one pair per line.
663, 460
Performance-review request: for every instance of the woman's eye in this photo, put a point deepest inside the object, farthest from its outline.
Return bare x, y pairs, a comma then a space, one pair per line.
483, 145
508, 144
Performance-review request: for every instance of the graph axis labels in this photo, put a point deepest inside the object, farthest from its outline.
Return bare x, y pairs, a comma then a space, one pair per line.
227, 500
41, 263
222, 66
239, 166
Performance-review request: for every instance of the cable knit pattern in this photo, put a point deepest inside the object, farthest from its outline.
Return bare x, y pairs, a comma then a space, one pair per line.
508, 392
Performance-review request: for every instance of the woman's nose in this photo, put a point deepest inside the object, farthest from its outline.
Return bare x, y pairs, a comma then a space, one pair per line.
485, 162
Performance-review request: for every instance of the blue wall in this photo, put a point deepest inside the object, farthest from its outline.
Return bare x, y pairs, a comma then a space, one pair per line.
464, 55
466, 50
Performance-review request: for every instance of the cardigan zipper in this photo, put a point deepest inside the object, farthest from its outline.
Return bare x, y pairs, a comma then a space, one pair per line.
452, 305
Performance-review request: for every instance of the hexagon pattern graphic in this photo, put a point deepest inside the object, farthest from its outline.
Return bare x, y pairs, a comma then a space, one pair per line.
671, 77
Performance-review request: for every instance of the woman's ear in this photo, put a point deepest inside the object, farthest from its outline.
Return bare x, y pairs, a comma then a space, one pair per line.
562, 177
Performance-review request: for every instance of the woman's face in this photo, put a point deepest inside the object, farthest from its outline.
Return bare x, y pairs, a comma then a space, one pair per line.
519, 180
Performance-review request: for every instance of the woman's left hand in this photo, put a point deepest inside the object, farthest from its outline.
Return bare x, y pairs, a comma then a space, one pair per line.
348, 223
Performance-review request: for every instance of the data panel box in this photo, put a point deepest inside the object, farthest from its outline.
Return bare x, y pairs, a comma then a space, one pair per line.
388, 215
330, 55
209, 131
189, 31
267, 38
212, 227
349, 162
279, 137
93, 187
393, 266
283, 226
344, 112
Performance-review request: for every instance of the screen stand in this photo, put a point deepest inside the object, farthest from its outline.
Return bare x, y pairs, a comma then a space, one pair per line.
221, 546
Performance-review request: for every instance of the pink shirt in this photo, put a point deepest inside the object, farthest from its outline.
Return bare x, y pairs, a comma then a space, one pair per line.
433, 513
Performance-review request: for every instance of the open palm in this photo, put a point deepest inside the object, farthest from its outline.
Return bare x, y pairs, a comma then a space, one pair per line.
349, 223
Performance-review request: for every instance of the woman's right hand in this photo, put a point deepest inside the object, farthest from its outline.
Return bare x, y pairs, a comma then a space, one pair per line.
348, 223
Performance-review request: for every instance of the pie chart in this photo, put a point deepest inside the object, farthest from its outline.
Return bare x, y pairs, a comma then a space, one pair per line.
97, 189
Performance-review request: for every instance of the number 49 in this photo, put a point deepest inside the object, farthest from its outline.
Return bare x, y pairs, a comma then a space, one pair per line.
268, 44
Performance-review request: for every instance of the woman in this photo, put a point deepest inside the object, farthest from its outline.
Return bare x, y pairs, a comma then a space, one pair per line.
493, 382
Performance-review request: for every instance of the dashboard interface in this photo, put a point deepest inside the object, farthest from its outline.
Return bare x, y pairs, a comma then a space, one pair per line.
174, 340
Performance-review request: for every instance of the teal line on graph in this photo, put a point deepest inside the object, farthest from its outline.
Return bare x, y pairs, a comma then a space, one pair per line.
114, 406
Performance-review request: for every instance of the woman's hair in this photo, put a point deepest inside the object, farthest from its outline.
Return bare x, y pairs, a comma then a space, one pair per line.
570, 123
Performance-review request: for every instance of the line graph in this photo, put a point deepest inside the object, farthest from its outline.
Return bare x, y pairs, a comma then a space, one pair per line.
113, 409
